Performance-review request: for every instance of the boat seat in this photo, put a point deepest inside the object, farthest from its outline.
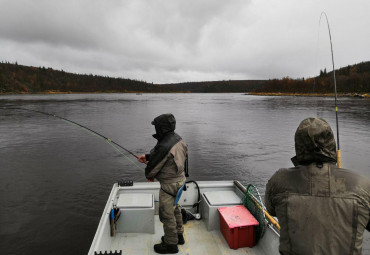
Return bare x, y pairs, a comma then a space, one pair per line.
212, 200
137, 213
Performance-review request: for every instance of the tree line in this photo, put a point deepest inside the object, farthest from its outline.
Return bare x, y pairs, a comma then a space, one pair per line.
349, 79
16, 78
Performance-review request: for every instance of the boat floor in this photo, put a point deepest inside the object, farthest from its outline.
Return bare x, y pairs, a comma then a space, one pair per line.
197, 241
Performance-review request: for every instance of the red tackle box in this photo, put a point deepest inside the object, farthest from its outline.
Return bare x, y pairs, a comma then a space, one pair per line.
237, 225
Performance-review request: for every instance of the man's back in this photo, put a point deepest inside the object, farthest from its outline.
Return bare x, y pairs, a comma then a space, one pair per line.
322, 209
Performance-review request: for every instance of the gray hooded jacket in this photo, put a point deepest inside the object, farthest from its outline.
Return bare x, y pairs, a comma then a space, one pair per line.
321, 208
167, 158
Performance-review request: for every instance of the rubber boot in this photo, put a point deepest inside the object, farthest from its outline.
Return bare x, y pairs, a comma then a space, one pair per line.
180, 237
165, 248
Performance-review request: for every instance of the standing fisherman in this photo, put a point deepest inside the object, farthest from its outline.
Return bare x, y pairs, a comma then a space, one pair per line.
166, 163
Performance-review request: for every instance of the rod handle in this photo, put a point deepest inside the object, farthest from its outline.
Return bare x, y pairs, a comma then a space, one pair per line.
269, 217
339, 159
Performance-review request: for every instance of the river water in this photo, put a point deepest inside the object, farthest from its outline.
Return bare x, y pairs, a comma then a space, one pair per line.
55, 178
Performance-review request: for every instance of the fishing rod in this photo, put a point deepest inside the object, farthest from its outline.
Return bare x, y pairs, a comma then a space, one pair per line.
108, 140
339, 161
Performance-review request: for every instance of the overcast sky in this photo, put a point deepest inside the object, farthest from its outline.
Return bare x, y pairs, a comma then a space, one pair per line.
185, 40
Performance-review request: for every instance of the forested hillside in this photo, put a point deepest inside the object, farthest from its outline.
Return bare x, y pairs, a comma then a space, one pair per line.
16, 78
232, 86
350, 79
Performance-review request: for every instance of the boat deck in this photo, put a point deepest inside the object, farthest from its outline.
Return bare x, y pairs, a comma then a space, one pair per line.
197, 241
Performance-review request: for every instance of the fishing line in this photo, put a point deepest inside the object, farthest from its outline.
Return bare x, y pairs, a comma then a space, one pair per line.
112, 143
335, 90
316, 57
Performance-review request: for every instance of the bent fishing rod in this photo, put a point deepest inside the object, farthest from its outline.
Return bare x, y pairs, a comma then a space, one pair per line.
108, 140
339, 161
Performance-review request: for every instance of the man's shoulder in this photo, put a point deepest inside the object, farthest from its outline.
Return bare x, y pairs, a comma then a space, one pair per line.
348, 172
288, 171
180, 145
352, 178
289, 179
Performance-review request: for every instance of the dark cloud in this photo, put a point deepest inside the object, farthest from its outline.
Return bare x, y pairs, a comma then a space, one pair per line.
173, 41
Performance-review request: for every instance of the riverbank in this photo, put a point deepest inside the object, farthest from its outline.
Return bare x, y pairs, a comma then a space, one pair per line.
365, 95
50, 92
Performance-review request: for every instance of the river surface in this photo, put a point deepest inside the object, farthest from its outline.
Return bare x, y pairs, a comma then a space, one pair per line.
55, 177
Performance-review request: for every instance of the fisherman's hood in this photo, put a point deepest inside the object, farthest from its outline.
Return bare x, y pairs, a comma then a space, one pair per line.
314, 142
164, 124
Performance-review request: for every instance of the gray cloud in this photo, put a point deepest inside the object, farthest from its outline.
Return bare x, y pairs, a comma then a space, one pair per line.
173, 41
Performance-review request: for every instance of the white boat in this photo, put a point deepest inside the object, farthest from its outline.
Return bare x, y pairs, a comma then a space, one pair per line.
138, 228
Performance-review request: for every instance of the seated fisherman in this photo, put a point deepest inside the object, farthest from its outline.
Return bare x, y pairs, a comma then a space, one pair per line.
321, 208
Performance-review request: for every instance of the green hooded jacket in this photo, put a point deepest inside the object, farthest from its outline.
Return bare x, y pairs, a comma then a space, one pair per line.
321, 208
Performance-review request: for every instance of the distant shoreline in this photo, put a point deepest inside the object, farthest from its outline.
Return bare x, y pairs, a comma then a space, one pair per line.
356, 95
365, 95
83, 92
